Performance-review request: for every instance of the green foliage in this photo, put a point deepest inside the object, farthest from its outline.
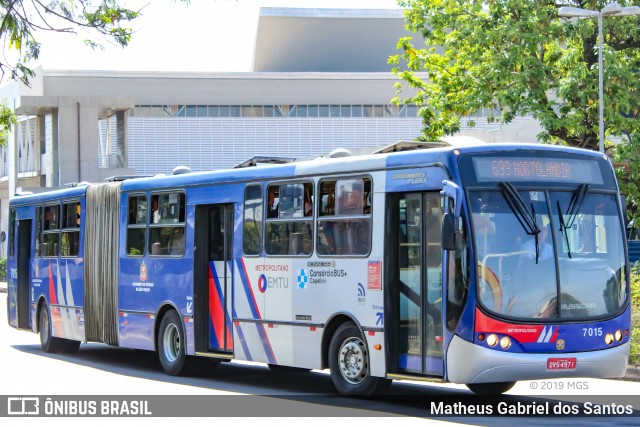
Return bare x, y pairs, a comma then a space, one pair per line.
628, 157
7, 119
517, 57
3, 269
635, 314
22, 18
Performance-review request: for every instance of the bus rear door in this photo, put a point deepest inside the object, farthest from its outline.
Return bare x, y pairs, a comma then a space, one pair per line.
23, 233
413, 305
213, 276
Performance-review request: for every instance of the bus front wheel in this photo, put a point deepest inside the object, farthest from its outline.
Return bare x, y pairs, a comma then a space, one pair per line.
491, 388
349, 363
48, 342
171, 344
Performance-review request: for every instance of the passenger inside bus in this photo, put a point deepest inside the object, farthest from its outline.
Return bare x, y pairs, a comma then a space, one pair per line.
272, 211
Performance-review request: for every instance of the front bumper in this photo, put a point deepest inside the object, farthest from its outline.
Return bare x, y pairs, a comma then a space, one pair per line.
468, 363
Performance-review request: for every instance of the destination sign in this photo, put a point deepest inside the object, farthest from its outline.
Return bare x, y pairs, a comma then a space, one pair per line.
579, 171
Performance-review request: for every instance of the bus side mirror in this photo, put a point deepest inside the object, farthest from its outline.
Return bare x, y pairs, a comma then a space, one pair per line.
449, 232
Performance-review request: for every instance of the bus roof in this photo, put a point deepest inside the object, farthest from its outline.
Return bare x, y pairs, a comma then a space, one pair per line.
323, 165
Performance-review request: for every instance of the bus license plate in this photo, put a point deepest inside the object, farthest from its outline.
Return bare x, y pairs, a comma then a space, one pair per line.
557, 363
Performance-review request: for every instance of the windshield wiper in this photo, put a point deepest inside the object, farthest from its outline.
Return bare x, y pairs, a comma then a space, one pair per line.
572, 212
526, 217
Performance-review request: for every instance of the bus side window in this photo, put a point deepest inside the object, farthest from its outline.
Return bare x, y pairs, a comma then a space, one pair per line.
344, 225
12, 232
70, 238
51, 232
252, 221
136, 225
288, 226
167, 232
39, 231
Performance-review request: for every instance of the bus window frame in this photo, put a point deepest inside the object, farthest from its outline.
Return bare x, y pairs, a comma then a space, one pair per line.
304, 219
57, 203
334, 217
12, 232
150, 226
75, 229
144, 226
262, 203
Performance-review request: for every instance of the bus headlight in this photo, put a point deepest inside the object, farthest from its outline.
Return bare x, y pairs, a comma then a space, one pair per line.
492, 340
608, 339
505, 342
618, 335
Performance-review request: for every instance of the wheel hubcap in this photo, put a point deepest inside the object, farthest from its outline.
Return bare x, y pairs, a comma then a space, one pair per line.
171, 343
352, 360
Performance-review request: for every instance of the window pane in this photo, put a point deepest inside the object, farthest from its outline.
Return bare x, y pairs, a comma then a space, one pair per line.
356, 110
51, 243
345, 111
334, 111
349, 237
327, 198
38, 230
138, 210
70, 243
268, 110
191, 111
312, 111
135, 241
71, 215
288, 238
302, 111
234, 111
213, 111
12, 232
252, 222
51, 217
350, 197
166, 241
168, 208
202, 111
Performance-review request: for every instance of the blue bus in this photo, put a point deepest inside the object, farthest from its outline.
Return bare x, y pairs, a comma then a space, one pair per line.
478, 265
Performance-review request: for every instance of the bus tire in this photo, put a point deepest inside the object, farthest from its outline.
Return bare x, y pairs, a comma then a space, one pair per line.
491, 388
48, 342
349, 363
171, 344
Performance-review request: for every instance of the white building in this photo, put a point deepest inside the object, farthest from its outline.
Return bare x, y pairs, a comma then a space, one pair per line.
320, 80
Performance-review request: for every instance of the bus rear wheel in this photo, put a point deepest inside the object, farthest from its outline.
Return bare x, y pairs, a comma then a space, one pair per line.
171, 344
349, 364
491, 388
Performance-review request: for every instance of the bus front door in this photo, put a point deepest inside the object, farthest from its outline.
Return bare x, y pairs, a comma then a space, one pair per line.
413, 273
213, 276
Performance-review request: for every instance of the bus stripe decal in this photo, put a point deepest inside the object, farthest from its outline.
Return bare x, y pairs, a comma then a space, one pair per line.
243, 341
256, 313
52, 291
215, 309
221, 302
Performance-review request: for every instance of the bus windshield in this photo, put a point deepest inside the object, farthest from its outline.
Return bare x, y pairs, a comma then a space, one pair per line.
557, 254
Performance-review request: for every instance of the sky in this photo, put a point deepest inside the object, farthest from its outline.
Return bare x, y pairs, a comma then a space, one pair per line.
205, 35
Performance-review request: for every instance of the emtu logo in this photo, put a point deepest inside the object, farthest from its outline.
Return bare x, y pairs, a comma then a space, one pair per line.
23, 406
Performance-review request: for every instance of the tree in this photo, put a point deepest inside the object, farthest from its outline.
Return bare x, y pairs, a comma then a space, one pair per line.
517, 57
24, 20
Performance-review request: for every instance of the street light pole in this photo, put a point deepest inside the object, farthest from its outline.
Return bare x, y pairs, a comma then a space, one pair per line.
612, 9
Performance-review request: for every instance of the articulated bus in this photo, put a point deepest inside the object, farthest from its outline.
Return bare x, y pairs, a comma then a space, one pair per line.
477, 265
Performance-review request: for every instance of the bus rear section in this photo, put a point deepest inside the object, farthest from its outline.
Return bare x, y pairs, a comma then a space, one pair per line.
548, 295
